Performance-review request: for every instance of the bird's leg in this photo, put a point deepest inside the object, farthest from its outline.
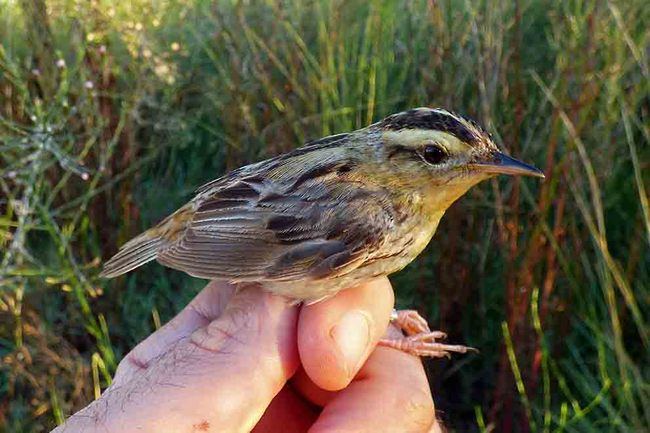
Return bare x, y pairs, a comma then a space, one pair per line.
419, 339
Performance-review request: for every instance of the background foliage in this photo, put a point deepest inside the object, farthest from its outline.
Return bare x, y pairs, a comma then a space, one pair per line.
111, 113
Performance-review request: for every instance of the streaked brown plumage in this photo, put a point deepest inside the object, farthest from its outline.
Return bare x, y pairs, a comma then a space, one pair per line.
328, 215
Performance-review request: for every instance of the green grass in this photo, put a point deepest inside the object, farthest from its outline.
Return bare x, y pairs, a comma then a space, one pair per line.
112, 113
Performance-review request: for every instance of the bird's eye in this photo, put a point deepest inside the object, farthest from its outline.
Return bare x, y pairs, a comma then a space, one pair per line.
434, 154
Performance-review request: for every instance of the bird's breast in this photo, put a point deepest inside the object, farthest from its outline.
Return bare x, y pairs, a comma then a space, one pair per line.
423, 234
402, 245
415, 238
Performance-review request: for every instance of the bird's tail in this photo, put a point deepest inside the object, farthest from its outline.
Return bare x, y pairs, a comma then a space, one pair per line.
134, 253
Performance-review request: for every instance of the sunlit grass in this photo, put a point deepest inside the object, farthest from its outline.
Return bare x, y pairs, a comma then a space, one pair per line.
111, 113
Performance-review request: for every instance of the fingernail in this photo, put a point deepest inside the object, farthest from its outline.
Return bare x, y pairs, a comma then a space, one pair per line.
352, 337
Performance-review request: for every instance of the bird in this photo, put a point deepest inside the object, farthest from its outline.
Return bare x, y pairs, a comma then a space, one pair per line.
329, 215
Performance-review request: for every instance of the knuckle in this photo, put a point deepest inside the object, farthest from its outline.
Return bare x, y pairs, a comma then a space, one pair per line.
214, 337
227, 331
137, 361
131, 364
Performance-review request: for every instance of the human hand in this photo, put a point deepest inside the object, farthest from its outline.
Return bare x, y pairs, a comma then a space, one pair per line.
248, 361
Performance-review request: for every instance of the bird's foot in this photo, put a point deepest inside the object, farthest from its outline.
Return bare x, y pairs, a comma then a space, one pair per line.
419, 339
410, 322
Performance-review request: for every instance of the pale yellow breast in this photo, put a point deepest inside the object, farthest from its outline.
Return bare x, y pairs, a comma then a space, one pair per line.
401, 247
410, 241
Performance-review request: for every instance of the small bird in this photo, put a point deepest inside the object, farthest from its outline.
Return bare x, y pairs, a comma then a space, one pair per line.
331, 214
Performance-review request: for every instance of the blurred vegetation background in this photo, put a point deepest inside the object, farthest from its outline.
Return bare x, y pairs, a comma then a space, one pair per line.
111, 113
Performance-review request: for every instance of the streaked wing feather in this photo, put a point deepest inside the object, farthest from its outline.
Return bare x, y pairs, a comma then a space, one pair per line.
254, 227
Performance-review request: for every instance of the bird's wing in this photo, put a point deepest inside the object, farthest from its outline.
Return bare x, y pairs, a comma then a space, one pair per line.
254, 228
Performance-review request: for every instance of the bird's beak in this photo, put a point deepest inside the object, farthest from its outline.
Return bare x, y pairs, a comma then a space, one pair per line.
501, 163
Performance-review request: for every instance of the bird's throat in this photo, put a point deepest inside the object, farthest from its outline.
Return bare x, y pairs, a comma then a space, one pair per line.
437, 199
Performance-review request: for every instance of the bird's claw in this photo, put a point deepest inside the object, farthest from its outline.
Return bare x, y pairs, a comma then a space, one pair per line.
410, 322
419, 339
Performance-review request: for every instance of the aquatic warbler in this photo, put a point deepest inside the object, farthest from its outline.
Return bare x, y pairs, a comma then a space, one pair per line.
331, 214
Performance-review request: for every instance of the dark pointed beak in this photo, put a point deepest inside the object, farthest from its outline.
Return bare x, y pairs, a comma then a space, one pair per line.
501, 163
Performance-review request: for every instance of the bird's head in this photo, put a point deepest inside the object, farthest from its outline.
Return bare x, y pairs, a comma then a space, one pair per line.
440, 151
